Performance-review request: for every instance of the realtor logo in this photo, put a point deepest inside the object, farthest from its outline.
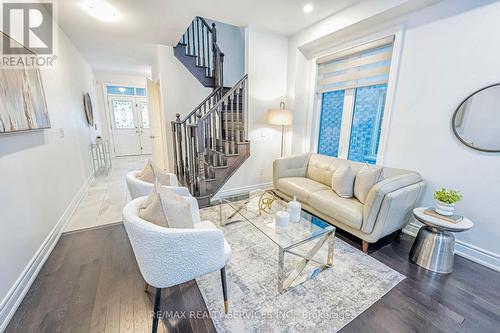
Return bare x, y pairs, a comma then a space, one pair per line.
29, 24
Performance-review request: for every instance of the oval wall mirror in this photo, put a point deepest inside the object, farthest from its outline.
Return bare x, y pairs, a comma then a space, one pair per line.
476, 122
89, 112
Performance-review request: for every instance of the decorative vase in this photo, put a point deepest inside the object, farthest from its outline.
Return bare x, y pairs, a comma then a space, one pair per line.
294, 209
282, 218
444, 208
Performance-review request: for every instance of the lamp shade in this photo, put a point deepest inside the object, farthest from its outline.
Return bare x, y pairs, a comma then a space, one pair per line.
280, 117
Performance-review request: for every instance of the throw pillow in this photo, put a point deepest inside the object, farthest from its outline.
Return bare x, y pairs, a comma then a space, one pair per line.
148, 174
343, 181
152, 172
177, 209
151, 209
366, 178
162, 176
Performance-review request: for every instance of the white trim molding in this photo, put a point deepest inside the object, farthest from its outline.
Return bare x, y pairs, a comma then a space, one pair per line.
463, 249
241, 190
16, 294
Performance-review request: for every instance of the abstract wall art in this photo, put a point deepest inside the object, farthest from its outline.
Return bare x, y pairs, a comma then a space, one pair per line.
22, 100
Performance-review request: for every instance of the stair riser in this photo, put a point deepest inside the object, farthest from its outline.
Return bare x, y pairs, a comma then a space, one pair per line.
233, 162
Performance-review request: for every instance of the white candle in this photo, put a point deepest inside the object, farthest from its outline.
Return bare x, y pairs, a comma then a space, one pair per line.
282, 218
294, 209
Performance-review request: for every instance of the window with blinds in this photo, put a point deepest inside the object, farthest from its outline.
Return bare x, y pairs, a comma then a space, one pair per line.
352, 88
361, 66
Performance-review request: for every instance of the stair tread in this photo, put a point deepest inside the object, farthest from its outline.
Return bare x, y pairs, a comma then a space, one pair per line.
237, 142
210, 179
217, 167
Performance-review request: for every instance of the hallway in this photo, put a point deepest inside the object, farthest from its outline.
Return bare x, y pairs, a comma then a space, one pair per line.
106, 196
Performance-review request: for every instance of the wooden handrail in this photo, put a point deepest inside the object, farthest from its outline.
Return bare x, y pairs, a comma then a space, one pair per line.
190, 114
205, 23
221, 100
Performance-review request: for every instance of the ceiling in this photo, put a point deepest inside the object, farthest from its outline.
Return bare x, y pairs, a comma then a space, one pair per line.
128, 46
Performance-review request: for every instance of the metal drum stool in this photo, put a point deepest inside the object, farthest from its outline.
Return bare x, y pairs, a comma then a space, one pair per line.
434, 246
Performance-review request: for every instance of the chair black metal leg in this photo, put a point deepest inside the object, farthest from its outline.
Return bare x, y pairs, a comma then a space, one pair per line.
156, 309
224, 287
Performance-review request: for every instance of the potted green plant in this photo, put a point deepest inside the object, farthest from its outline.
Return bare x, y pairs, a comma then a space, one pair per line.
446, 200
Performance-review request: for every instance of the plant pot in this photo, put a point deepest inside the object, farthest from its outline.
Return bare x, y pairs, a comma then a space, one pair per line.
444, 208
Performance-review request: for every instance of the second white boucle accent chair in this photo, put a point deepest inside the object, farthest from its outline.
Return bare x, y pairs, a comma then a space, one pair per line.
139, 188
168, 256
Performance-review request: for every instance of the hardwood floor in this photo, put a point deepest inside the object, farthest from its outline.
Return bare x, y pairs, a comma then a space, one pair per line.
91, 283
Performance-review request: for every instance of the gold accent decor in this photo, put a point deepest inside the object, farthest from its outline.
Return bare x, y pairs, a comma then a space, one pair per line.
266, 201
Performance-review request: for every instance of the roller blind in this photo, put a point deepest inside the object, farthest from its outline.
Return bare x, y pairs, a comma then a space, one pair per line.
361, 66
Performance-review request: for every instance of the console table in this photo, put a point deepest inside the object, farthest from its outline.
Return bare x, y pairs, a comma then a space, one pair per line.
101, 157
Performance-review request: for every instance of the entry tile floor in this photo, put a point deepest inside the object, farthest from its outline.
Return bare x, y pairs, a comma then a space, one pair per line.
106, 196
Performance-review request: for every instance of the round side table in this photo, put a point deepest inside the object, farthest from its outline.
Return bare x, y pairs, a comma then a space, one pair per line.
434, 246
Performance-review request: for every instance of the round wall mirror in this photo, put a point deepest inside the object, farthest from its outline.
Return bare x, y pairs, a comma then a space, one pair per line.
476, 122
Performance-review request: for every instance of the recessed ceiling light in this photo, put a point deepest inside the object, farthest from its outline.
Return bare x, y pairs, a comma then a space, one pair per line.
308, 8
101, 10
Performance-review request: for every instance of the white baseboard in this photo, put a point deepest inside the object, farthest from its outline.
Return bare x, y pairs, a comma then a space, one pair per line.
466, 250
242, 190
14, 297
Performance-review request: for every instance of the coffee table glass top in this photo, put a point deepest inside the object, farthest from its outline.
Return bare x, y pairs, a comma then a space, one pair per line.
309, 227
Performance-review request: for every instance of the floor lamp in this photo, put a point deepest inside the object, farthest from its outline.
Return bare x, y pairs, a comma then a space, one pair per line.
280, 117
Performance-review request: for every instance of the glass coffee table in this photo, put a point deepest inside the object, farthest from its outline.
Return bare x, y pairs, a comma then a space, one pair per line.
259, 209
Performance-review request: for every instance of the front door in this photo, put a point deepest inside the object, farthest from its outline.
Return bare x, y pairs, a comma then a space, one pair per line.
130, 125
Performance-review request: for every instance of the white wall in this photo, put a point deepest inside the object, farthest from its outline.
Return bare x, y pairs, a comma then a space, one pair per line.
266, 66
180, 91
447, 53
41, 173
231, 40
102, 78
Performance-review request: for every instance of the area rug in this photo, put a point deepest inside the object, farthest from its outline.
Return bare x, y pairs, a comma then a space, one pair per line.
325, 303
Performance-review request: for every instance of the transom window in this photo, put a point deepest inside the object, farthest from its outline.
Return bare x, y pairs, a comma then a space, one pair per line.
126, 91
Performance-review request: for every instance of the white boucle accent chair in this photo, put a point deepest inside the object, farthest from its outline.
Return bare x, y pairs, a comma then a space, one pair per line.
139, 188
168, 256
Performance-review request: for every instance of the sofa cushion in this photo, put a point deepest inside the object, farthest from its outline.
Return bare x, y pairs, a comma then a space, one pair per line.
366, 178
343, 181
347, 211
320, 169
300, 187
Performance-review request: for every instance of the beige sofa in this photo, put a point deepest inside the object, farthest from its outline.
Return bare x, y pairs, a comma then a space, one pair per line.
387, 207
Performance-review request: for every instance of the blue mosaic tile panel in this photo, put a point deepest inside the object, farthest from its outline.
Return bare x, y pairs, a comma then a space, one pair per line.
367, 123
330, 123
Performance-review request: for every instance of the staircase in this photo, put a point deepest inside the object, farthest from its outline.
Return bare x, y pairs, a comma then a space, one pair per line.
210, 143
